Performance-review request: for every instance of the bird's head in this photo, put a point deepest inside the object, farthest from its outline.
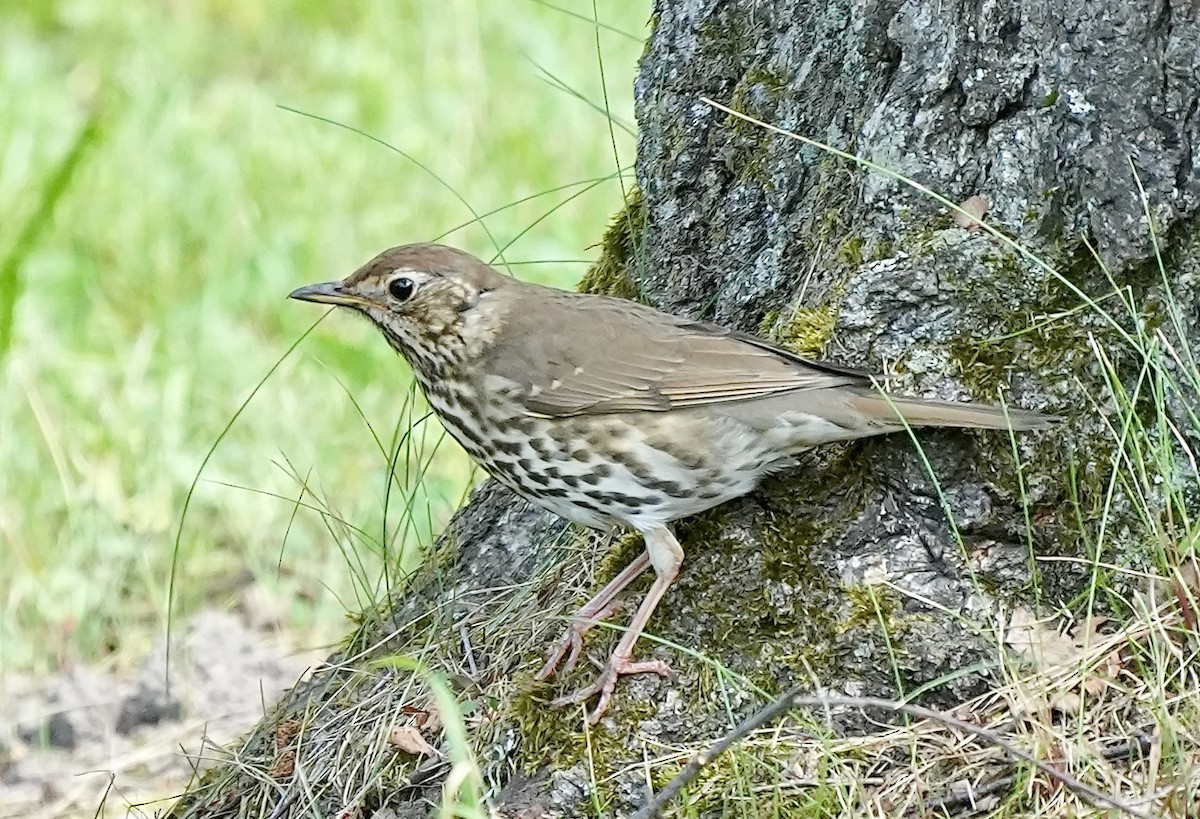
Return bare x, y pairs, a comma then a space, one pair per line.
434, 304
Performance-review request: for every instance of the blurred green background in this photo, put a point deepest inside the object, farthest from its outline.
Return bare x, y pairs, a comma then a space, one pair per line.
184, 204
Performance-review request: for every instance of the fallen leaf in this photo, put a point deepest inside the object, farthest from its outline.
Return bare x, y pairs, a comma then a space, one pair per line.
286, 732
431, 722
283, 767
427, 719
1067, 703
1088, 674
1030, 637
1105, 674
975, 206
409, 740
1088, 633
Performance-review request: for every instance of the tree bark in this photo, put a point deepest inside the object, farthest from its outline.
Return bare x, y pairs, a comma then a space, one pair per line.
858, 571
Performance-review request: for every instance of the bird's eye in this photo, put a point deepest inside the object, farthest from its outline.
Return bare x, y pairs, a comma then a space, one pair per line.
401, 288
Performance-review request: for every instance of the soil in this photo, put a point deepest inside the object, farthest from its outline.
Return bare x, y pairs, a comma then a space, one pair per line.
87, 742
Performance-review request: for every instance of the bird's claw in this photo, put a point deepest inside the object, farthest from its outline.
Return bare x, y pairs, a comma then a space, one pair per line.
572, 641
607, 681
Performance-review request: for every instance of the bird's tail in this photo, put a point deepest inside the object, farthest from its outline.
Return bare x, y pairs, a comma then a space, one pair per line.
919, 412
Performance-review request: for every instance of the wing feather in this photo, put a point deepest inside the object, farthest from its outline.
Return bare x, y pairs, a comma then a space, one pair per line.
634, 358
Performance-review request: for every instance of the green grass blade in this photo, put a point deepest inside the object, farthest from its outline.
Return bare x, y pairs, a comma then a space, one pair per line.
52, 191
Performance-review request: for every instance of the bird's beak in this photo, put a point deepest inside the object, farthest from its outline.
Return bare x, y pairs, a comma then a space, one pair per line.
327, 293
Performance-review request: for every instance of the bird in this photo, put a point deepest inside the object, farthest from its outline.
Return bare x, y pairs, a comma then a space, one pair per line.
613, 414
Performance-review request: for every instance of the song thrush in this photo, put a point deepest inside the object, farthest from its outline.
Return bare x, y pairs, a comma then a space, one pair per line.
611, 413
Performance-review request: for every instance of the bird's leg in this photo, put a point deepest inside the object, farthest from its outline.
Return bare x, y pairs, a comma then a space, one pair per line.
666, 555
600, 607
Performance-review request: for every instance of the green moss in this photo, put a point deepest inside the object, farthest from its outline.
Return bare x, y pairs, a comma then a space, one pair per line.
603, 750
750, 631
558, 736
1027, 337
850, 252
623, 552
808, 628
620, 253
807, 331
729, 34
749, 160
756, 95
770, 643
773, 82
547, 735
739, 783
873, 607
1048, 350
707, 528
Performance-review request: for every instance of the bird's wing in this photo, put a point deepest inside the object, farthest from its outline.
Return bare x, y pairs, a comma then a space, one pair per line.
593, 355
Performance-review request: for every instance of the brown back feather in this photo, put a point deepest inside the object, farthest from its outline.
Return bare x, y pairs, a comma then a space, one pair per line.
594, 355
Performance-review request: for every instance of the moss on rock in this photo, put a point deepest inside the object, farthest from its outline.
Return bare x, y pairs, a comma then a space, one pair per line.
620, 253
806, 331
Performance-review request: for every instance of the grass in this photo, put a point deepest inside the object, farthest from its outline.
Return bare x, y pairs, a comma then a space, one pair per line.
166, 203
144, 277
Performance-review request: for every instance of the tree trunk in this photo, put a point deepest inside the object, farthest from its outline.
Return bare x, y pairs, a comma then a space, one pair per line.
856, 572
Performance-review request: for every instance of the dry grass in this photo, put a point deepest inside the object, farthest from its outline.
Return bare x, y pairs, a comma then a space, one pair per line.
1115, 706
1089, 713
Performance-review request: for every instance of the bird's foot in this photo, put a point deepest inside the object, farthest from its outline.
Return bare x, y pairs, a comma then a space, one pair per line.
617, 666
571, 643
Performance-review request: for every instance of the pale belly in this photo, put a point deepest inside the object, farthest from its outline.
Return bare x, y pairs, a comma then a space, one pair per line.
631, 469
